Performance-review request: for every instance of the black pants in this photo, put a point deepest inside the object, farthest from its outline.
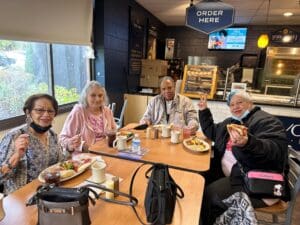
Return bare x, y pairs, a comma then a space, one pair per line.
214, 193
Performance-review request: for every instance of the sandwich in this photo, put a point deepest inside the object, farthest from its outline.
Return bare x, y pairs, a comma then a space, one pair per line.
242, 130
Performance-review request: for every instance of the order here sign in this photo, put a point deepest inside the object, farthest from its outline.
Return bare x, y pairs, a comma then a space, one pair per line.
208, 17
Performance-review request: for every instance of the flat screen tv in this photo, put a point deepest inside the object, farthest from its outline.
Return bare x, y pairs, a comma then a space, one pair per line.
228, 39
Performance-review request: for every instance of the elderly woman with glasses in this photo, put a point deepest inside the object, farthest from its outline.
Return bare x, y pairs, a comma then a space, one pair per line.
27, 150
89, 120
262, 146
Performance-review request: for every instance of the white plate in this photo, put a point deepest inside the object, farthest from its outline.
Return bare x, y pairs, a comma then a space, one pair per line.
82, 169
198, 146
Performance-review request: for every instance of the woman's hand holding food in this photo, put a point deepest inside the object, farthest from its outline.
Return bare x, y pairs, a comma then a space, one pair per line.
238, 134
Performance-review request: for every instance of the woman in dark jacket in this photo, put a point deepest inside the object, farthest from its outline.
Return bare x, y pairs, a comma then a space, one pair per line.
263, 147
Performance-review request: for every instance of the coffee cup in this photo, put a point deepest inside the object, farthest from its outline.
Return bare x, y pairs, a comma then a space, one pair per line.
175, 136
165, 131
120, 142
98, 171
111, 136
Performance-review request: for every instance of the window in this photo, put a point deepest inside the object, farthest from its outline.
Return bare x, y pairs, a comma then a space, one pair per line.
27, 68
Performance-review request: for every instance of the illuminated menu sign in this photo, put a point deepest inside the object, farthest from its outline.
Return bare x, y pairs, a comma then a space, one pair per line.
208, 17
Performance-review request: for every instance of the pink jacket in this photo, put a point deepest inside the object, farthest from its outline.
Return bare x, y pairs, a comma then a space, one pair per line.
77, 123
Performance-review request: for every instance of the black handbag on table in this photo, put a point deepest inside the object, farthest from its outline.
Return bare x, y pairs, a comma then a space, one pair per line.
69, 206
161, 194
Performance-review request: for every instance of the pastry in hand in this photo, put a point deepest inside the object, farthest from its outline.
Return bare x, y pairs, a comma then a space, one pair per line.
242, 130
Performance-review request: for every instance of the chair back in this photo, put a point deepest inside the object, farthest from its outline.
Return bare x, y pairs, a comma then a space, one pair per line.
294, 182
119, 120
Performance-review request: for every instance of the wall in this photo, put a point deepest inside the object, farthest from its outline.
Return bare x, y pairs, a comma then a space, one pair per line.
189, 42
57, 124
111, 38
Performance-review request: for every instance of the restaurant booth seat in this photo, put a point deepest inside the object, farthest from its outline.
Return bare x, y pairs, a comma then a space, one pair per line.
282, 212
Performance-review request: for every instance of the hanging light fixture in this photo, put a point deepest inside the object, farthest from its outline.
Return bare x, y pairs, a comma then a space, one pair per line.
263, 39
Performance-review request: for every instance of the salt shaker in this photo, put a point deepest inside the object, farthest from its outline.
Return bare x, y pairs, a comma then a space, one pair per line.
148, 132
116, 184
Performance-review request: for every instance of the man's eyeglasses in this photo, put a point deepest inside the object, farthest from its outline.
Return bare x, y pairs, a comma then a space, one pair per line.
42, 111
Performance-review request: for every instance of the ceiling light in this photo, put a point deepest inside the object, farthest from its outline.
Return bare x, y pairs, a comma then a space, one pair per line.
287, 14
286, 38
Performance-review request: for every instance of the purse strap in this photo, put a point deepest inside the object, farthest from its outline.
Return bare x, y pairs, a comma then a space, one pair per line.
156, 186
133, 201
131, 191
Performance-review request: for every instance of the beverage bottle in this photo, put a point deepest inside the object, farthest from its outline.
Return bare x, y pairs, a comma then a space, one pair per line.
136, 143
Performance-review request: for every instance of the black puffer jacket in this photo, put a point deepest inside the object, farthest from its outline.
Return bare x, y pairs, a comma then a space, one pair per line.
267, 147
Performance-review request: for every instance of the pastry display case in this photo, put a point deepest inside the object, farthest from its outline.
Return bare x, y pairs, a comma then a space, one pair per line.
199, 79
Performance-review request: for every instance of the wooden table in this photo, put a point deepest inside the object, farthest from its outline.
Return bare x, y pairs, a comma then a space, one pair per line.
187, 210
160, 151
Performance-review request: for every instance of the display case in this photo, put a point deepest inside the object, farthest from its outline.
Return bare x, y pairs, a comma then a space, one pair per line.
199, 78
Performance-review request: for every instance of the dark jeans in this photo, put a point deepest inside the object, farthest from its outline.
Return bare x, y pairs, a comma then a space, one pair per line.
214, 193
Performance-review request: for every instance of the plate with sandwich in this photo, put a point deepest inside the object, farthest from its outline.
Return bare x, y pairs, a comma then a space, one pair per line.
241, 129
128, 134
69, 168
196, 145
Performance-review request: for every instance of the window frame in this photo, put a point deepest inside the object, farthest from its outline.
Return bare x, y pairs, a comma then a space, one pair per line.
18, 120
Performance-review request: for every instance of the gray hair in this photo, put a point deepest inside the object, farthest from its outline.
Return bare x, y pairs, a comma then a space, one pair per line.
167, 78
87, 88
242, 94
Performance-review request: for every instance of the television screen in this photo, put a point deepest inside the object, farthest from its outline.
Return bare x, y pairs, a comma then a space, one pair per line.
228, 39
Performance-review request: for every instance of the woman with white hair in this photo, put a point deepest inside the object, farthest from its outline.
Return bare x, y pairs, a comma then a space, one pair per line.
89, 119
261, 145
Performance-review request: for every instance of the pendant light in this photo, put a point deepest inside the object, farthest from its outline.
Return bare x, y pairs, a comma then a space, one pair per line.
263, 39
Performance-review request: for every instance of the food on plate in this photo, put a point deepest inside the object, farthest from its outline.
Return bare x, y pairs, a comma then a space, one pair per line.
128, 134
76, 165
196, 144
66, 173
242, 130
67, 169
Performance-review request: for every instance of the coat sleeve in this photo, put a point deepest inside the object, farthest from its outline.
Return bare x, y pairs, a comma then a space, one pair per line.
72, 126
268, 140
148, 115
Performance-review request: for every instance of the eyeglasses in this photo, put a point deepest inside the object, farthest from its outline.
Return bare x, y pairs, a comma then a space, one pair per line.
42, 111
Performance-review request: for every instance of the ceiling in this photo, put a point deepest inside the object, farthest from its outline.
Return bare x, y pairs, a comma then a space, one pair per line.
247, 12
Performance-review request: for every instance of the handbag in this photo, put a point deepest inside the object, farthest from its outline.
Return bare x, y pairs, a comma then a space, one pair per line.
264, 184
161, 194
69, 206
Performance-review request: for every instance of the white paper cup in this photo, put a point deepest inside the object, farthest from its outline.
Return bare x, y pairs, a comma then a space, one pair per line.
98, 171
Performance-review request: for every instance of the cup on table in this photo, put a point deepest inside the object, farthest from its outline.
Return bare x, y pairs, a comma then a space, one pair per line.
187, 132
111, 136
120, 142
175, 136
165, 131
98, 171
52, 177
